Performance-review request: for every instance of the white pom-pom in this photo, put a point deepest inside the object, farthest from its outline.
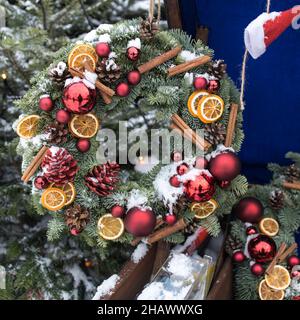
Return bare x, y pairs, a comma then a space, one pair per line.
134, 43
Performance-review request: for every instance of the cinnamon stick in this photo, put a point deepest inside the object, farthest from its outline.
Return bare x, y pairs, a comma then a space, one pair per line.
165, 232
34, 164
231, 124
153, 63
288, 252
186, 66
276, 258
292, 185
137, 240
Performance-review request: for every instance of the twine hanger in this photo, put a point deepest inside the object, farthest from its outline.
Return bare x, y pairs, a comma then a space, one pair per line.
152, 9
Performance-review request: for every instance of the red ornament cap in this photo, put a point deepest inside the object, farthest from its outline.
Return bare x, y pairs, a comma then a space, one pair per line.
117, 211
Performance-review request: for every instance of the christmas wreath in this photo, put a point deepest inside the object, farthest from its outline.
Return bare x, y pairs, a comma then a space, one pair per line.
131, 72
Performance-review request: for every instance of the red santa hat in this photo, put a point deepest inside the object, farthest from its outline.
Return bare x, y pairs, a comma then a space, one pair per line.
266, 28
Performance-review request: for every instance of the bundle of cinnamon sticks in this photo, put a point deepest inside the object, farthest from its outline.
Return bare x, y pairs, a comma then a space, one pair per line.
292, 185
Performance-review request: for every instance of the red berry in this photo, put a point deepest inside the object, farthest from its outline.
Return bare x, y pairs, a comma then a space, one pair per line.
46, 103
293, 261
170, 219
102, 49
133, 53
257, 269
182, 169
41, 182
122, 89
213, 85
200, 83
117, 211
63, 116
74, 232
83, 145
134, 77
238, 256
174, 182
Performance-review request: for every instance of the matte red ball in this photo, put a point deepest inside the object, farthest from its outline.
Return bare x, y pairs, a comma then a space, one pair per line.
40, 182
257, 269
140, 222
262, 248
248, 209
238, 256
201, 163
134, 77
63, 116
46, 103
117, 211
170, 219
225, 166
78, 98
83, 145
200, 189
102, 49
293, 261
133, 53
200, 83
182, 169
213, 85
224, 184
251, 231
123, 89
74, 232
174, 181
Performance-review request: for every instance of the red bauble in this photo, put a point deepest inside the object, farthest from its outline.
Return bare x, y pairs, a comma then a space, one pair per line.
83, 145
134, 77
133, 53
295, 274
176, 156
213, 85
74, 232
257, 269
46, 103
170, 219
262, 248
238, 256
63, 116
248, 209
41, 182
123, 89
78, 98
293, 261
251, 231
117, 211
102, 49
224, 184
200, 83
201, 163
225, 166
140, 222
174, 182
182, 169
200, 189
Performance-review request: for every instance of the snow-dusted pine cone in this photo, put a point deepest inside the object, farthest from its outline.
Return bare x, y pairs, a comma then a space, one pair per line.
292, 173
217, 69
59, 166
102, 179
77, 217
148, 29
276, 199
215, 133
232, 244
107, 74
59, 74
57, 133
191, 227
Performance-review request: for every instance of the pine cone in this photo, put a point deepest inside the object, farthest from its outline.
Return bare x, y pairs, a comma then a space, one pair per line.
102, 178
77, 217
179, 206
57, 133
215, 133
232, 244
148, 29
59, 166
191, 227
292, 173
59, 74
217, 69
106, 74
276, 199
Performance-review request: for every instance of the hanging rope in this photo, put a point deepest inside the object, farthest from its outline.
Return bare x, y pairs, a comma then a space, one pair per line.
243, 77
152, 8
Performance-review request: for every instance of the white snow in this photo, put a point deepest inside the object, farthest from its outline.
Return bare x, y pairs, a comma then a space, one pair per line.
145, 164
139, 253
90, 79
92, 36
72, 80
105, 38
136, 199
60, 68
180, 265
220, 149
254, 35
54, 150
136, 43
186, 55
189, 78
16, 122
105, 27
36, 141
44, 96
106, 287
80, 276
188, 241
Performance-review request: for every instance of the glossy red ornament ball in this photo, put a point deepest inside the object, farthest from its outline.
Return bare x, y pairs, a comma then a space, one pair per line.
200, 189
74, 232
176, 156
78, 98
257, 269
251, 231
63, 116
123, 89
102, 49
225, 166
201, 163
134, 77
213, 85
140, 222
41, 182
200, 83
248, 209
170, 219
293, 261
224, 184
262, 248
117, 211
83, 145
133, 53
238, 256
182, 169
174, 181
46, 103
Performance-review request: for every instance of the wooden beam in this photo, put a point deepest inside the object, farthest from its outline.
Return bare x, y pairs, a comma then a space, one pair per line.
173, 14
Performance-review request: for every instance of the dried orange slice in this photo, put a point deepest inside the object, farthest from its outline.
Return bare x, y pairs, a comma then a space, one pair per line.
53, 199
210, 108
82, 50
269, 227
266, 293
279, 278
84, 125
27, 126
110, 228
204, 209
194, 100
79, 61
